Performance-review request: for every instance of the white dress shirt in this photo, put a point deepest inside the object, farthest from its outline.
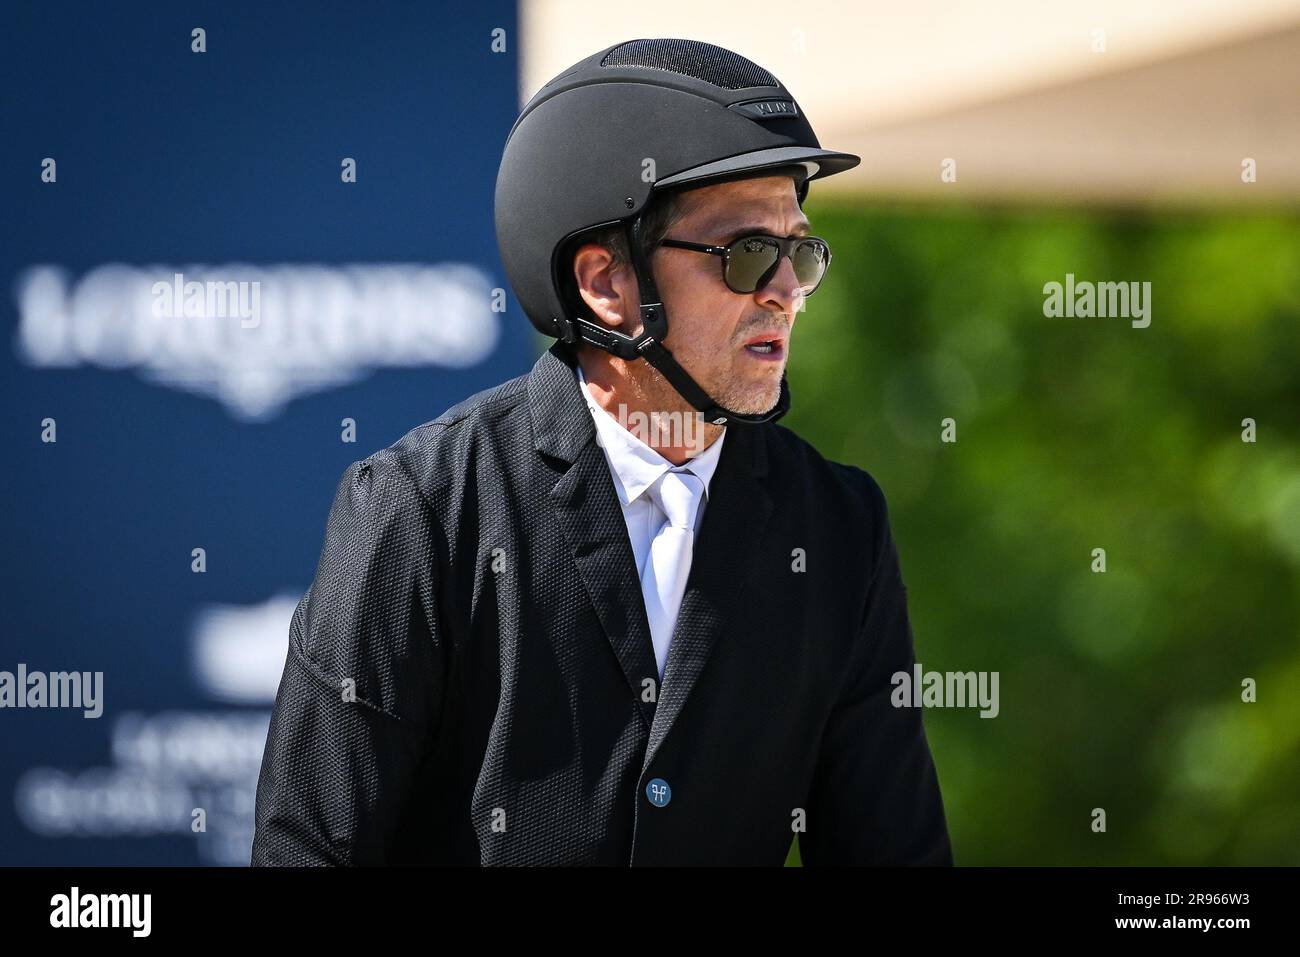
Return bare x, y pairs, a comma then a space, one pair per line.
635, 467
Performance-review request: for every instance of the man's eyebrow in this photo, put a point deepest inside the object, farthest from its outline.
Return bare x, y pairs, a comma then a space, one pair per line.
803, 229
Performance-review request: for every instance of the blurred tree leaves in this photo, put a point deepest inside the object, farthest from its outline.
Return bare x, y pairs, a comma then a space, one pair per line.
1119, 690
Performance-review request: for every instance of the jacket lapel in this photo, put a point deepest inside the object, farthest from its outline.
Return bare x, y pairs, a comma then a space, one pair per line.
588, 511
722, 562
591, 518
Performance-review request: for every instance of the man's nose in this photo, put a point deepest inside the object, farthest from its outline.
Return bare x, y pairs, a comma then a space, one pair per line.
782, 290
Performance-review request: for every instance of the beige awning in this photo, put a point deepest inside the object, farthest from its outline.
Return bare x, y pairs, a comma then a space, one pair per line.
1100, 101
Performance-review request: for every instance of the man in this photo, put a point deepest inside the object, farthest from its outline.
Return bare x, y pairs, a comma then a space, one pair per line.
543, 633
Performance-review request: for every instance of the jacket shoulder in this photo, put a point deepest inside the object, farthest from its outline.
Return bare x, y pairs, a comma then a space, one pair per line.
843, 502
451, 437
438, 452
846, 491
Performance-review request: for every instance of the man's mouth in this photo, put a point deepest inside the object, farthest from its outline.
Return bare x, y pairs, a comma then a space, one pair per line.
766, 347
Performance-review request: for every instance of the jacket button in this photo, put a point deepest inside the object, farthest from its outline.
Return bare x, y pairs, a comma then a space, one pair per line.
658, 792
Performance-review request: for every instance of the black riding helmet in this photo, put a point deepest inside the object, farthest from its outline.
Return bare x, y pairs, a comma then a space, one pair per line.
594, 143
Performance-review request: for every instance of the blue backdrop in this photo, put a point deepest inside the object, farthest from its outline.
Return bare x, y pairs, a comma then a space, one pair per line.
175, 429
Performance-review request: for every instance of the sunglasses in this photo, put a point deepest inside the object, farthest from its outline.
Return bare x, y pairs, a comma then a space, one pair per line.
750, 262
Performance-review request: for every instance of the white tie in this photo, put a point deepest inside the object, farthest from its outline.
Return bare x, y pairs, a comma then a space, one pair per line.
678, 495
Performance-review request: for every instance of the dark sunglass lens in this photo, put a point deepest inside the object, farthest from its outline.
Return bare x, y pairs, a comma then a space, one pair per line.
810, 258
749, 262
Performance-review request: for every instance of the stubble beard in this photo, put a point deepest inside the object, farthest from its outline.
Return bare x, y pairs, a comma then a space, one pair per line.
750, 398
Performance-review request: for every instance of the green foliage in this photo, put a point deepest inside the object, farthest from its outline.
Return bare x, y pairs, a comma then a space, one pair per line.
1120, 690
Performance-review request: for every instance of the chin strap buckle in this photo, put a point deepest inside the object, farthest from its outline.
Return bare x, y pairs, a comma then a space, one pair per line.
567, 332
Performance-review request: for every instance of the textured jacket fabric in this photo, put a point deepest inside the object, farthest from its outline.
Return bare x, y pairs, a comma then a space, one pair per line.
470, 678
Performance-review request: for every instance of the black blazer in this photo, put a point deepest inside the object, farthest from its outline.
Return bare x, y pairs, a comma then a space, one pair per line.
470, 678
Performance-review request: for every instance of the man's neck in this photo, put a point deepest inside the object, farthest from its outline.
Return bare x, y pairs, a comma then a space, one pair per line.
638, 397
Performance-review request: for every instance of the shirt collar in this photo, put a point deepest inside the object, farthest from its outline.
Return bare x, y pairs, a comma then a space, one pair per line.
635, 465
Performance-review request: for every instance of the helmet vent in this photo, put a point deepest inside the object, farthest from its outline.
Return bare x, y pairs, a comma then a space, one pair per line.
703, 61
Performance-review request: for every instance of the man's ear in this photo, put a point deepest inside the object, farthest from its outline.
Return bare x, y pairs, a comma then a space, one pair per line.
609, 290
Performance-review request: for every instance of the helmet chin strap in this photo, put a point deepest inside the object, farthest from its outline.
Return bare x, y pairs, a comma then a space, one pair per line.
648, 345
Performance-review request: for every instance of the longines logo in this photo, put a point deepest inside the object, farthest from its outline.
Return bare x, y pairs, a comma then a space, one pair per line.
255, 337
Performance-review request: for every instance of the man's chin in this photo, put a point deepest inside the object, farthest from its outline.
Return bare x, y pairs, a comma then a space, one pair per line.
754, 400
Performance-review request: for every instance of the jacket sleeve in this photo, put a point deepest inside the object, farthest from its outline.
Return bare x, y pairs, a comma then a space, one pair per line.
875, 793
362, 685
